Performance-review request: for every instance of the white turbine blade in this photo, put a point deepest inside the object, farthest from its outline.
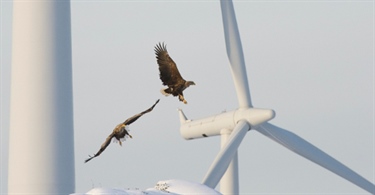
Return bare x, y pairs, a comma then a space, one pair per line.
300, 146
222, 160
235, 53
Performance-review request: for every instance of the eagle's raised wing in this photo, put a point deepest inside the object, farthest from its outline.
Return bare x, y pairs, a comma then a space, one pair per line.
169, 73
135, 117
103, 147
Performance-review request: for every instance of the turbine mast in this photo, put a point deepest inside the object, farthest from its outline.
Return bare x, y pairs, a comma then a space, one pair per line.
41, 143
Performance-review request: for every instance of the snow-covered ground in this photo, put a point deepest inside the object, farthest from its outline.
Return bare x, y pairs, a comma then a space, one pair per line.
170, 187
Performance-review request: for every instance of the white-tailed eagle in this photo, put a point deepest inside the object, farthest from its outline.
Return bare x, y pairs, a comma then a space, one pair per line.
169, 74
120, 132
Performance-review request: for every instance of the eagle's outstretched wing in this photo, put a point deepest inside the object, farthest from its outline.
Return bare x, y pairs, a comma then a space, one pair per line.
103, 147
169, 73
113, 134
135, 117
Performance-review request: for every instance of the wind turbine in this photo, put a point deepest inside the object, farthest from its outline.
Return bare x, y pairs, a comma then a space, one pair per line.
233, 125
41, 136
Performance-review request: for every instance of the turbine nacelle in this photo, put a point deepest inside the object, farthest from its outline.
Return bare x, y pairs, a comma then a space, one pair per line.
213, 125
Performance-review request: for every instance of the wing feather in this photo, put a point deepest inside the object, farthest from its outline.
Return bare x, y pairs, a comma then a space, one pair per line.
135, 117
169, 73
102, 147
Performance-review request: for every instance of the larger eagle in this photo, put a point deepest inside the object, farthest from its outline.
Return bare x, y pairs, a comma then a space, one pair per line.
169, 74
120, 132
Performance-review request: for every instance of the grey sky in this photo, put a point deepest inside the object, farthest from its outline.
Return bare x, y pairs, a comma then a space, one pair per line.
310, 61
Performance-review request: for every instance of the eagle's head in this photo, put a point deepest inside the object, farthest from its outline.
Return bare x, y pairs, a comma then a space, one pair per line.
188, 83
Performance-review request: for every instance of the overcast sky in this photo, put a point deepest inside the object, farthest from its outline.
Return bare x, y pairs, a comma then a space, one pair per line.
310, 61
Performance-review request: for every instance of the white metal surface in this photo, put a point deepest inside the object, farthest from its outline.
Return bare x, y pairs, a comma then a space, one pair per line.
229, 183
41, 145
226, 154
235, 54
300, 146
212, 126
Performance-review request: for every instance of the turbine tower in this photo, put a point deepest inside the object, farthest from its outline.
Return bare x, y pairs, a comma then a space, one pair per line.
41, 145
233, 125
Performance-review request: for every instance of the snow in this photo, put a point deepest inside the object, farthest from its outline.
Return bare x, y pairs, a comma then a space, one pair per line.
170, 187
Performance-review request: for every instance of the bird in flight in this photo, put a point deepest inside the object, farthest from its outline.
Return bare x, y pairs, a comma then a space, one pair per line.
169, 74
120, 132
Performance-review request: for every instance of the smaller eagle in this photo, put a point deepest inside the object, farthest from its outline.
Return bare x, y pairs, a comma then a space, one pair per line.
120, 132
169, 74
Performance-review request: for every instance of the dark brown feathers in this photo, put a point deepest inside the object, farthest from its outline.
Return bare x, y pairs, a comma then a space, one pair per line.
169, 74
